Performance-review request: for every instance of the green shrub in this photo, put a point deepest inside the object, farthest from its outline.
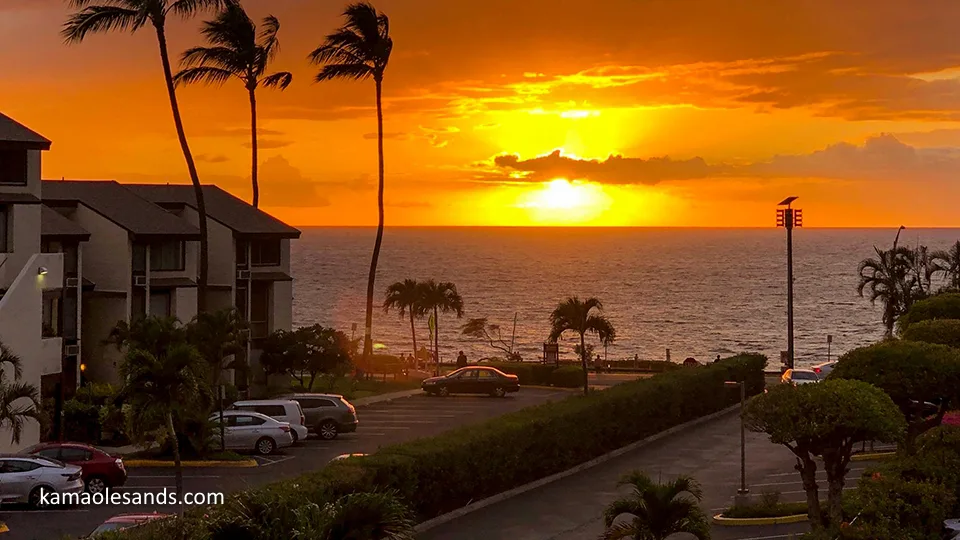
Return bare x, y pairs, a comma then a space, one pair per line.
529, 373
567, 377
439, 474
766, 511
941, 306
939, 331
893, 507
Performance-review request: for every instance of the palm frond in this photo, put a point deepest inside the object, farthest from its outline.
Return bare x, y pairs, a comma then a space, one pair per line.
8, 357
18, 403
356, 72
204, 74
220, 57
626, 530
99, 19
268, 36
279, 81
189, 8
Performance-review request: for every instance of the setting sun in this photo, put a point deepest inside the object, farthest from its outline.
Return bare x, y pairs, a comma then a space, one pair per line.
561, 201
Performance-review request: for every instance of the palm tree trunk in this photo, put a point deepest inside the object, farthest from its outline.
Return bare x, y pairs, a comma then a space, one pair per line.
178, 469
368, 329
191, 168
436, 339
253, 148
413, 332
583, 361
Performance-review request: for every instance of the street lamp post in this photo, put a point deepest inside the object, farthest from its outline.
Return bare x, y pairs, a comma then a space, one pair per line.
743, 491
788, 218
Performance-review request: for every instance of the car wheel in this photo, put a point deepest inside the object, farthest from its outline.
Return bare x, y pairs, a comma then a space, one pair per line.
498, 392
266, 446
293, 433
36, 497
95, 484
328, 430
443, 392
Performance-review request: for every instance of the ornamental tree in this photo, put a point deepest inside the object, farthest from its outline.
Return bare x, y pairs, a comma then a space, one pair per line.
938, 331
921, 378
826, 420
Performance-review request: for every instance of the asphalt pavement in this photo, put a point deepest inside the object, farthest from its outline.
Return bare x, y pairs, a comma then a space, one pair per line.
381, 424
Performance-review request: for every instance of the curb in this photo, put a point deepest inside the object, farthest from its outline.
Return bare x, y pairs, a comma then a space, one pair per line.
159, 463
3, 528
746, 522
483, 503
385, 397
872, 457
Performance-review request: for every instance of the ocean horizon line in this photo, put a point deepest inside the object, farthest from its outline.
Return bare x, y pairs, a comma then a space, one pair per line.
621, 227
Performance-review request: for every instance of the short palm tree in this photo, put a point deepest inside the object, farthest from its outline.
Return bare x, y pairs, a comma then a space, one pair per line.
404, 296
890, 279
360, 50
152, 333
157, 385
19, 401
659, 510
578, 315
439, 297
133, 15
218, 336
237, 50
947, 263
368, 516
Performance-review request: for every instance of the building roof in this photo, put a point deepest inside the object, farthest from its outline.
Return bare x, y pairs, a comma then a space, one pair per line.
53, 225
126, 209
18, 198
233, 213
12, 131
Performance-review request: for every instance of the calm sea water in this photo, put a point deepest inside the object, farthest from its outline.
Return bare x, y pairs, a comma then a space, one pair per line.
697, 292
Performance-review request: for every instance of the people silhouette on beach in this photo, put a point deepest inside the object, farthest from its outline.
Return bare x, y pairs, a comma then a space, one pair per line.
461, 360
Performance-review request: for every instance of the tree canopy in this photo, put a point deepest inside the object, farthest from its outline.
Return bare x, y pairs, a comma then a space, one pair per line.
940, 306
938, 331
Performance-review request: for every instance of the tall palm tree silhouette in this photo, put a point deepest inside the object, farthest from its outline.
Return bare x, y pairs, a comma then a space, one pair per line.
133, 15
237, 50
577, 315
405, 297
360, 50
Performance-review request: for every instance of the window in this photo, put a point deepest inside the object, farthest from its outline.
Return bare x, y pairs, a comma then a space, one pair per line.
244, 421
241, 253
314, 403
75, 454
18, 466
160, 304
486, 375
13, 167
164, 257
6, 218
265, 253
50, 246
51, 315
51, 453
269, 410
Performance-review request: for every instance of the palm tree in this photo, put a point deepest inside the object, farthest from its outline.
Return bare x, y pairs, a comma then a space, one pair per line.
156, 386
133, 15
19, 401
575, 314
359, 50
148, 333
947, 262
439, 298
658, 510
373, 516
404, 296
217, 336
236, 50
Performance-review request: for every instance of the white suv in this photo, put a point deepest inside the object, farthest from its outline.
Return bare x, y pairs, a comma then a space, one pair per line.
284, 410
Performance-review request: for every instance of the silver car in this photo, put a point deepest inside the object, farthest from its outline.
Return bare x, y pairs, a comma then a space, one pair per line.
824, 369
327, 414
24, 478
245, 430
799, 376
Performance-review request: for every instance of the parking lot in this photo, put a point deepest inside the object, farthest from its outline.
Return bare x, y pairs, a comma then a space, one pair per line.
381, 424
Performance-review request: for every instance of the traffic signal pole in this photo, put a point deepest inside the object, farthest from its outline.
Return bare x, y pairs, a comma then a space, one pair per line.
788, 218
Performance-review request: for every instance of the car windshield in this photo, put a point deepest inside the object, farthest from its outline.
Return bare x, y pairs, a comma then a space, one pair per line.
107, 527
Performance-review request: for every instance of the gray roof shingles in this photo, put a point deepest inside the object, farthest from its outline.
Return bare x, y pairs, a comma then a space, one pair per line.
15, 132
53, 225
242, 218
120, 205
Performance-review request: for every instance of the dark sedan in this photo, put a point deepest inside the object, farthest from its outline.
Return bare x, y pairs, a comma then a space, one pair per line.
472, 380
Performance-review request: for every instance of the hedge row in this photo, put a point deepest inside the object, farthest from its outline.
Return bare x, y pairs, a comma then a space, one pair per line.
531, 373
440, 474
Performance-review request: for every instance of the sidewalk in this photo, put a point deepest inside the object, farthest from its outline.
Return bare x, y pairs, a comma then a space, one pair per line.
571, 508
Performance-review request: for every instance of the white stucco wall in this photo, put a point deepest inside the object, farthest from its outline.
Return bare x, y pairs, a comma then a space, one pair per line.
107, 255
184, 303
282, 304
26, 240
21, 316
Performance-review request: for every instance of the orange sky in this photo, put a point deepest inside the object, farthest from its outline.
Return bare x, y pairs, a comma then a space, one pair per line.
658, 112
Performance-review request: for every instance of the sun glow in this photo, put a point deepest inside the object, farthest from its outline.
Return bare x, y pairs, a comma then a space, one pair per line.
563, 201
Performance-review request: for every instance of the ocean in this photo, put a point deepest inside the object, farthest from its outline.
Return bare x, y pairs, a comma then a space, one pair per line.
697, 292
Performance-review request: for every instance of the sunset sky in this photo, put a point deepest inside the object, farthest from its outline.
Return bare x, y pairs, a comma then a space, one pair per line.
536, 112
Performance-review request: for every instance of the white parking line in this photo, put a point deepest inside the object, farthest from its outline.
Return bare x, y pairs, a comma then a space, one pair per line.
275, 461
408, 414
819, 471
392, 427
379, 421
172, 476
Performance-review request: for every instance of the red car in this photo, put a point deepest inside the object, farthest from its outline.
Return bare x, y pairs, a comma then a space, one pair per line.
100, 469
120, 522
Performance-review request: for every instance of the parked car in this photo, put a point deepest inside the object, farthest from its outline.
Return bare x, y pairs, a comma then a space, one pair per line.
951, 529
100, 469
122, 522
824, 369
799, 376
327, 414
284, 410
472, 380
247, 431
24, 478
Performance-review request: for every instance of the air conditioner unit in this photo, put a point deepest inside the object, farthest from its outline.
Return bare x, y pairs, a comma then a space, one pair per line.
71, 350
243, 274
140, 281
72, 282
